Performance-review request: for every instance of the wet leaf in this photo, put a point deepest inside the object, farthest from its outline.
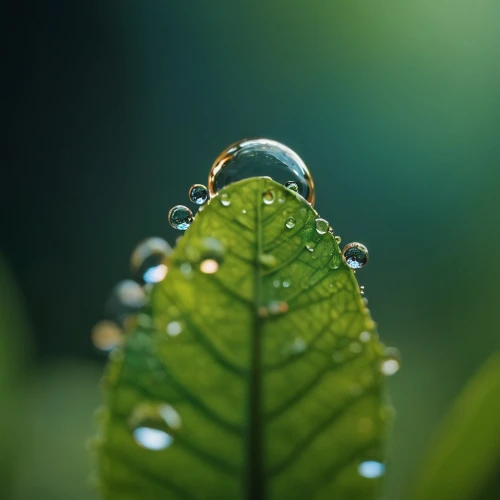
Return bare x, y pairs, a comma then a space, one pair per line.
249, 378
464, 461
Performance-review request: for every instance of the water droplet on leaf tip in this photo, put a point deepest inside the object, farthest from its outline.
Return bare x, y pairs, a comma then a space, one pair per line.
355, 255
174, 328
260, 158
209, 266
321, 226
292, 186
106, 335
198, 194
371, 469
225, 201
180, 217
268, 197
290, 223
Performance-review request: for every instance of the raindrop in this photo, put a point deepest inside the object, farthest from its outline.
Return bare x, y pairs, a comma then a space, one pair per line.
391, 362
148, 260
174, 328
268, 197
257, 158
371, 469
180, 217
290, 223
321, 226
355, 255
198, 194
292, 186
106, 335
362, 289
125, 300
154, 425
224, 200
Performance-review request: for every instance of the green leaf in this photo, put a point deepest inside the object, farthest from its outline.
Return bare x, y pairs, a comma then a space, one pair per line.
262, 362
464, 461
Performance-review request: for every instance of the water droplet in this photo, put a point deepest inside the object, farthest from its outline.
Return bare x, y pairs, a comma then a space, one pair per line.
257, 158
311, 246
362, 290
290, 223
125, 300
355, 255
224, 199
174, 328
292, 186
186, 269
365, 337
268, 197
391, 362
371, 469
243, 211
209, 266
106, 335
154, 425
286, 284
321, 226
338, 239
180, 217
365, 301
198, 194
276, 307
147, 262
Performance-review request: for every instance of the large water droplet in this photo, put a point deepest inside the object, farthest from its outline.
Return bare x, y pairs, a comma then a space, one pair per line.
257, 158
290, 223
355, 255
148, 260
371, 469
322, 226
391, 362
126, 299
154, 425
268, 197
106, 335
292, 186
198, 194
180, 217
224, 199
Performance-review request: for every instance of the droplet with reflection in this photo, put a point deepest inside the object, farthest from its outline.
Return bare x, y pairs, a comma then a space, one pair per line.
391, 363
148, 262
257, 158
198, 193
180, 217
321, 226
355, 255
292, 186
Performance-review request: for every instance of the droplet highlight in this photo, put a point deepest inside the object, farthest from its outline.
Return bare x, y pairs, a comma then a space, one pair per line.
355, 255
180, 217
371, 469
292, 186
224, 199
198, 193
391, 363
106, 335
290, 223
260, 158
148, 261
174, 328
209, 266
268, 197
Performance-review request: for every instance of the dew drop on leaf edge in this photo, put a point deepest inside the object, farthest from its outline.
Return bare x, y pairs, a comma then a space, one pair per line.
180, 217
198, 193
355, 255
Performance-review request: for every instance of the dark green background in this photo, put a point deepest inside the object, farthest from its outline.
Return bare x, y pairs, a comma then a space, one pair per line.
115, 108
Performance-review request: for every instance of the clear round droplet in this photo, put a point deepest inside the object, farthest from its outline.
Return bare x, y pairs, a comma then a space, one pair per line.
106, 335
198, 193
148, 263
154, 425
125, 300
180, 217
355, 255
257, 158
292, 186
371, 469
391, 362
290, 223
322, 226
174, 328
224, 199
365, 337
268, 197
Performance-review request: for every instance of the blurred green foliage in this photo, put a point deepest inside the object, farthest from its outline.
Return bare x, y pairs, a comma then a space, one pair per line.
118, 107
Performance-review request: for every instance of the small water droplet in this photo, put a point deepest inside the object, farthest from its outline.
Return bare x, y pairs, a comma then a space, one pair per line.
106, 335
257, 158
276, 283
338, 239
148, 262
225, 201
154, 425
126, 299
180, 217
268, 197
371, 469
286, 284
321, 226
391, 362
355, 255
174, 328
290, 223
365, 301
365, 337
243, 211
292, 186
198, 194
276, 307
311, 246
209, 266
362, 290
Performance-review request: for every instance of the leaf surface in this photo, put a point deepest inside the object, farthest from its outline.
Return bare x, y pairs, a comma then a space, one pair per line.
262, 360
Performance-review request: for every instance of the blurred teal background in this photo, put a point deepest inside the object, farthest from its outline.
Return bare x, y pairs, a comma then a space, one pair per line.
115, 108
